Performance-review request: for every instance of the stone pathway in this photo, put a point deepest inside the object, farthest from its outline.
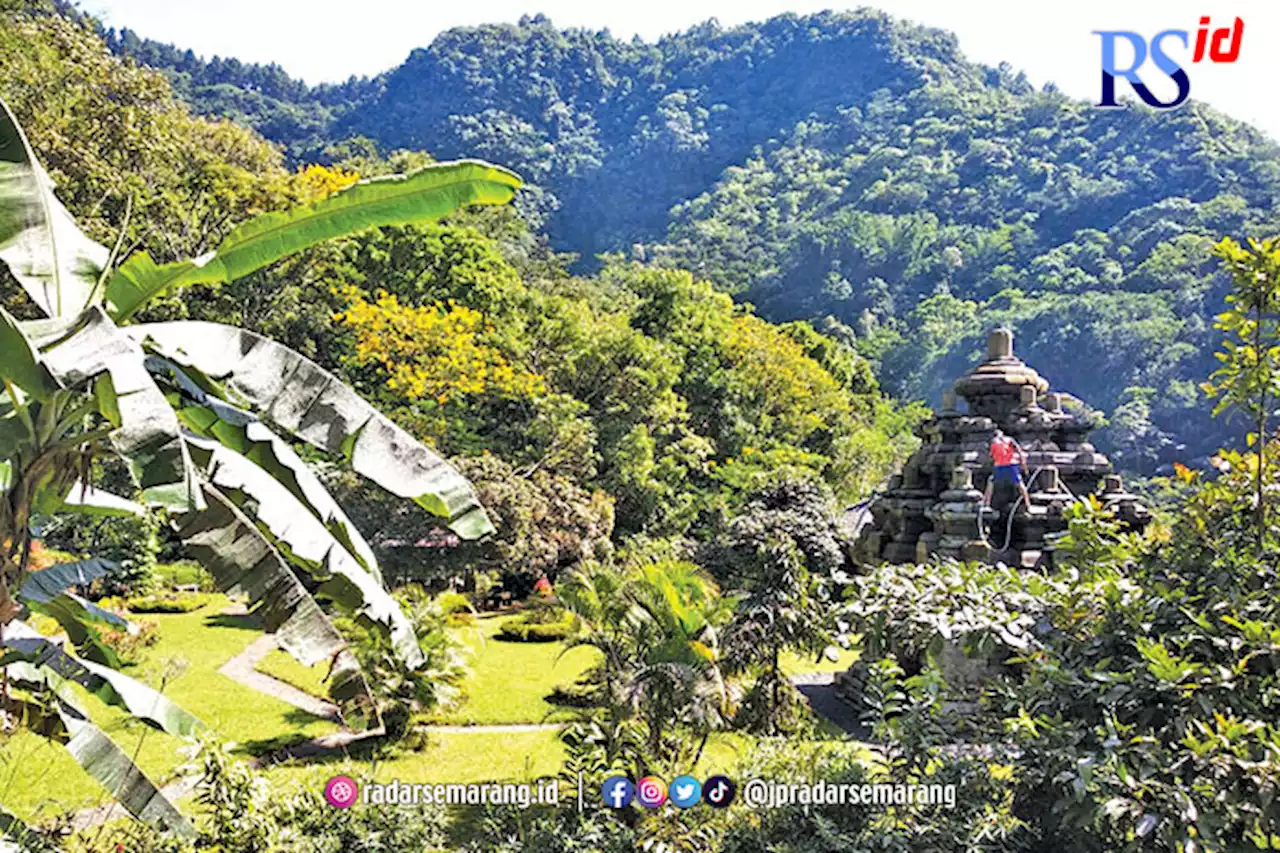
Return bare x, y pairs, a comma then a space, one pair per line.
820, 689
241, 669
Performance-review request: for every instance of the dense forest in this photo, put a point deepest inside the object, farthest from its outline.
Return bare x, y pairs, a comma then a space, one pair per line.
637, 401
846, 169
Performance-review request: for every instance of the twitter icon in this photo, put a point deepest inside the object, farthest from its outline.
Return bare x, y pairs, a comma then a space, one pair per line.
685, 791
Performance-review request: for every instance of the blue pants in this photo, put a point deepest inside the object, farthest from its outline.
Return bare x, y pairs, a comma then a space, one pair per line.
1010, 473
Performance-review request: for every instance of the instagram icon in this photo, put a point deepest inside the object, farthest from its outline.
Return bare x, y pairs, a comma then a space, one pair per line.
651, 792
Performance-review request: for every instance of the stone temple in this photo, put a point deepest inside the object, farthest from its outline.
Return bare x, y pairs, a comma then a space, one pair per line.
935, 506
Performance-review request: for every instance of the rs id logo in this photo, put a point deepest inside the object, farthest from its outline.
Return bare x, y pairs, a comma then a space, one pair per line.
1219, 44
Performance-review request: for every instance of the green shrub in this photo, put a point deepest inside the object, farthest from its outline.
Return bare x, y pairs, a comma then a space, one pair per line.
403, 694
533, 627
131, 543
1137, 711
456, 608
184, 573
464, 619
577, 694
129, 644
166, 603
451, 602
241, 813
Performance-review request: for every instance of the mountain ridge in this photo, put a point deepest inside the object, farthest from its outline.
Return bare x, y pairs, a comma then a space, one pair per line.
845, 168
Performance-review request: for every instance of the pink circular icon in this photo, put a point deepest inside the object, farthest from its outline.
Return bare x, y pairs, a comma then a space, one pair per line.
651, 792
341, 791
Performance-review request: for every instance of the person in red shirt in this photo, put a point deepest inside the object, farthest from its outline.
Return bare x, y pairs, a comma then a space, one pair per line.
1007, 457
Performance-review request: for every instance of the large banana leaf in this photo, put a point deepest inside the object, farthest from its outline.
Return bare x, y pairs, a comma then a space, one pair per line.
31, 657
88, 500
86, 612
79, 352
105, 761
79, 621
307, 543
422, 196
62, 722
49, 583
241, 559
301, 398
210, 417
55, 263
19, 361
45, 592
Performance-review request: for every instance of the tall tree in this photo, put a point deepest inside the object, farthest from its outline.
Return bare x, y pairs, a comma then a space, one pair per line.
1249, 379
779, 550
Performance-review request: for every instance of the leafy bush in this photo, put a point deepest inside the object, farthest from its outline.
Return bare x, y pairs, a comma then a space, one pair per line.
979, 820
456, 607
554, 831
244, 814
166, 603
1137, 709
401, 694
183, 573
539, 626
912, 612
584, 693
129, 644
131, 543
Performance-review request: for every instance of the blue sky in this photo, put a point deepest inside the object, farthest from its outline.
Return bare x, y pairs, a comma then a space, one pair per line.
320, 40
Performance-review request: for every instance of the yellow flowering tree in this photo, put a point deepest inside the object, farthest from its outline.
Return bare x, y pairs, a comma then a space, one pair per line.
438, 352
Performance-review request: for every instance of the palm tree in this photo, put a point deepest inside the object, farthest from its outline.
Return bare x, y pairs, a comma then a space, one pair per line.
196, 410
656, 627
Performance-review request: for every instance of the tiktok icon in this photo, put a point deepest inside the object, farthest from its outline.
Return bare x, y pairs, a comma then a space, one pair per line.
719, 791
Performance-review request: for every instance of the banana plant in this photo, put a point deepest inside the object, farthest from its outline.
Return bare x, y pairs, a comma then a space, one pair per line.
206, 417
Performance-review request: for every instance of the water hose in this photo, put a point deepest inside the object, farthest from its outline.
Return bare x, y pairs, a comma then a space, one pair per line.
1008, 528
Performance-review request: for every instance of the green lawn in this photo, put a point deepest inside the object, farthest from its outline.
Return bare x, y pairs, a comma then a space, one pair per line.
40, 779
478, 756
509, 682
308, 679
793, 664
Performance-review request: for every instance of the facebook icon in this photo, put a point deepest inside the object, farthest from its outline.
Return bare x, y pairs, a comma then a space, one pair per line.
618, 791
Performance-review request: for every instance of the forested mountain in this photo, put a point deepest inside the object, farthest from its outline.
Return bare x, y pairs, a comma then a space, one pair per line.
843, 168
660, 460
583, 115
635, 401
